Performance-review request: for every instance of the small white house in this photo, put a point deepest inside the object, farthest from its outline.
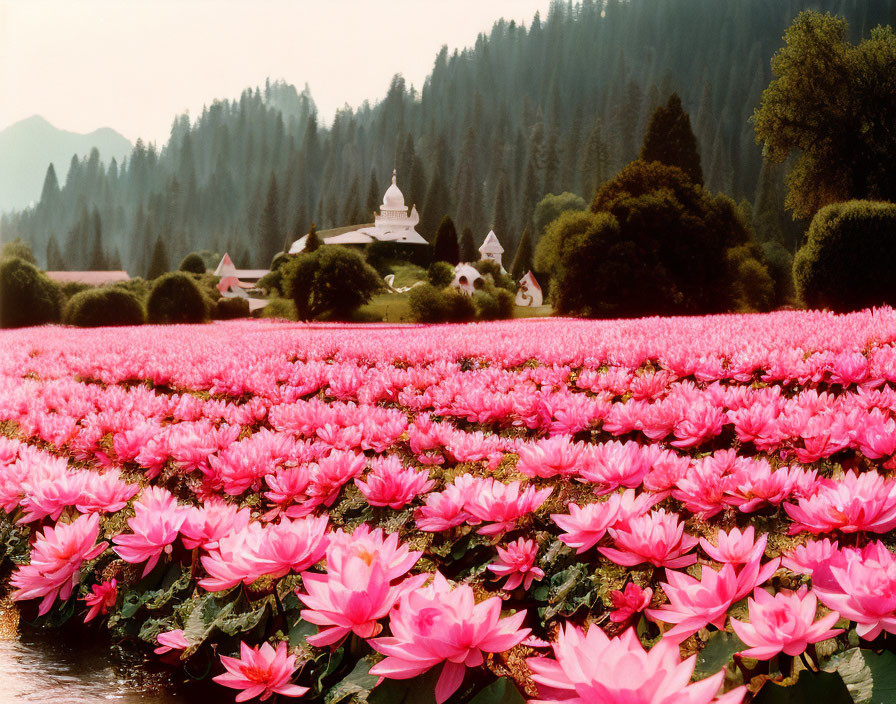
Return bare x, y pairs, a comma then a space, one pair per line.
529, 292
467, 279
492, 249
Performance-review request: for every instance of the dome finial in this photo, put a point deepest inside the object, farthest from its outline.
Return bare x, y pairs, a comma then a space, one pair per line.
395, 176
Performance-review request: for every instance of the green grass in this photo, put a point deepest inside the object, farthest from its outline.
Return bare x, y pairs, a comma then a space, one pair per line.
407, 274
389, 307
526, 312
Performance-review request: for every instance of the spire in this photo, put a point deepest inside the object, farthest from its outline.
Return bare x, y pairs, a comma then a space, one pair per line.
394, 177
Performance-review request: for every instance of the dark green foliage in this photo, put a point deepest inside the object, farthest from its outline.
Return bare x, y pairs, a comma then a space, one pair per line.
821, 83
447, 305
446, 246
780, 265
159, 263
332, 281
20, 249
55, 262
193, 264
670, 140
271, 232
176, 298
279, 260
550, 207
230, 308
313, 243
847, 263
493, 303
70, 288
468, 251
27, 296
653, 243
522, 260
491, 271
383, 255
440, 274
752, 285
101, 307
280, 309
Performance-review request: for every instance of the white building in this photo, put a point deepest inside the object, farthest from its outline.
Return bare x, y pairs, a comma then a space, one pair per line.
529, 292
391, 224
467, 279
492, 249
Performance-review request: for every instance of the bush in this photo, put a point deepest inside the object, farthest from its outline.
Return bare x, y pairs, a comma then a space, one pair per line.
193, 264
440, 274
70, 288
491, 268
101, 307
332, 281
230, 308
176, 298
27, 296
279, 260
847, 262
753, 285
280, 309
494, 303
433, 305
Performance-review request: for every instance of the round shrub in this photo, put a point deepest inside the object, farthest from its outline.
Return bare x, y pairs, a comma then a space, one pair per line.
847, 262
193, 264
230, 308
27, 296
440, 274
447, 305
491, 268
175, 298
101, 307
493, 303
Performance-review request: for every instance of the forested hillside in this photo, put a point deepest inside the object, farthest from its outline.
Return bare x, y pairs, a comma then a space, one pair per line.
559, 105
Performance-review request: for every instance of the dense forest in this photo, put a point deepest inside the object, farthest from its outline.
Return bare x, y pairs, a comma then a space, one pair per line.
560, 105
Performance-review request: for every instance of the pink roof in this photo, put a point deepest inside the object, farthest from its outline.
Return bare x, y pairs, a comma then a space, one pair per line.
94, 278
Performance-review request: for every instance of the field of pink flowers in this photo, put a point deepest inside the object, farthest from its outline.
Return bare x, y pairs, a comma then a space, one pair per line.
685, 510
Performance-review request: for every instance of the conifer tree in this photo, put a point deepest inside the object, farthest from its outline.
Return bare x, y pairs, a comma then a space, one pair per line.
468, 251
500, 214
55, 261
313, 243
670, 140
97, 255
373, 196
446, 247
158, 265
271, 234
522, 260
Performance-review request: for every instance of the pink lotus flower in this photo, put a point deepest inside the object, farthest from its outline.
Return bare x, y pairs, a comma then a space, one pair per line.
100, 599
549, 457
396, 558
503, 504
804, 559
735, 546
695, 603
233, 560
204, 526
439, 624
290, 546
155, 527
442, 510
260, 672
517, 563
332, 473
105, 493
171, 640
631, 601
657, 538
785, 621
590, 668
390, 484
56, 559
861, 585
856, 502
584, 527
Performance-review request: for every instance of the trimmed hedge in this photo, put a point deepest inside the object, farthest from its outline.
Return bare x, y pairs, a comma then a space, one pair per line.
102, 307
27, 296
193, 264
176, 298
847, 262
230, 308
447, 305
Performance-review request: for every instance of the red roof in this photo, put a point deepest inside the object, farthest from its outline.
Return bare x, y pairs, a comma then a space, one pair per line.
94, 278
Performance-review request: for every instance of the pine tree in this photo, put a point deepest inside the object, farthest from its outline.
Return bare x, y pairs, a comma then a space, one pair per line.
595, 161
55, 261
468, 251
436, 205
446, 248
158, 265
313, 243
271, 234
670, 140
551, 166
97, 255
49, 195
501, 214
522, 261
373, 196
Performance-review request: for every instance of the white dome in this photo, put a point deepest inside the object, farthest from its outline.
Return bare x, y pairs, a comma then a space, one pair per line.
394, 198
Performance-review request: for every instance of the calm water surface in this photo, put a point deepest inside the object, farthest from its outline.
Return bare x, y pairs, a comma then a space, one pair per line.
50, 667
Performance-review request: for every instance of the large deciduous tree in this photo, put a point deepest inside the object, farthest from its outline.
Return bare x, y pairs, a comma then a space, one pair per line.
832, 104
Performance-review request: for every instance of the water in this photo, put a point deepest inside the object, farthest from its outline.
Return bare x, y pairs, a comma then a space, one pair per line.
50, 667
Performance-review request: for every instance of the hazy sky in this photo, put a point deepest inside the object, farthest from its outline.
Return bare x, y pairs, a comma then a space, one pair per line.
134, 64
